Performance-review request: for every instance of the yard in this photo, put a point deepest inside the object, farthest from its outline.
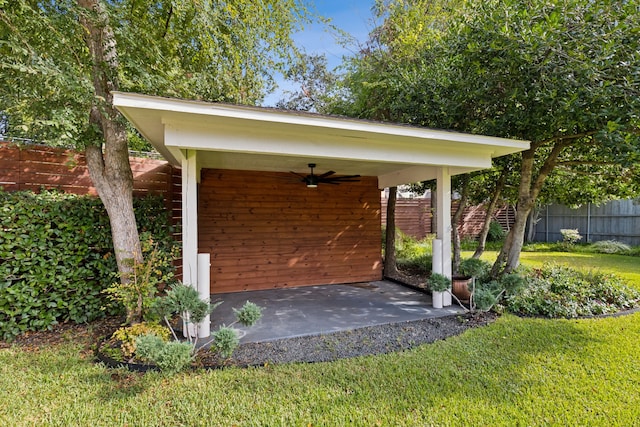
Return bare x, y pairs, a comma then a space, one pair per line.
513, 372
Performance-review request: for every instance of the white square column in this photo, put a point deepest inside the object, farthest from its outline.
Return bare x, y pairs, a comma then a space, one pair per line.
443, 223
190, 218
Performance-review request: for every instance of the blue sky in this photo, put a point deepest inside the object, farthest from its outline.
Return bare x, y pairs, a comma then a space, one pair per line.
352, 16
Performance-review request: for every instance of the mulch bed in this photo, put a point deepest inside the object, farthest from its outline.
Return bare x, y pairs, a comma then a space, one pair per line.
87, 334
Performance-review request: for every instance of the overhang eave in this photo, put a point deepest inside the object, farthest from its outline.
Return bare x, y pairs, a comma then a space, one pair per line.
253, 138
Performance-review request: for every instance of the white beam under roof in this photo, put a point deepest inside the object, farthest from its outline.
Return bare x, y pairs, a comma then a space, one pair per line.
255, 138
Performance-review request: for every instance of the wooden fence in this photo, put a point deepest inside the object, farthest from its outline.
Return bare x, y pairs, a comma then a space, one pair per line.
34, 167
617, 220
413, 217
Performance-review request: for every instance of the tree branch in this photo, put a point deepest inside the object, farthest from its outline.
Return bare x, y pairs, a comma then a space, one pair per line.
547, 167
562, 138
585, 162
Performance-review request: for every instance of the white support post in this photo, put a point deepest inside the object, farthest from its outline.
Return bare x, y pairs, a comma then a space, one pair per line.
436, 260
204, 265
443, 221
190, 221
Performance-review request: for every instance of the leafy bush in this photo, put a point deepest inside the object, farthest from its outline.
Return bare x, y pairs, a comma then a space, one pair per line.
185, 301
170, 357
248, 314
570, 236
438, 282
412, 253
128, 335
225, 340
474, 267
146, 280
610, 247
56, 257
559, 291
496, 232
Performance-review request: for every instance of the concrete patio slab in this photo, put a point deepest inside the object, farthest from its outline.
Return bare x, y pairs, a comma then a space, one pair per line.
314, 310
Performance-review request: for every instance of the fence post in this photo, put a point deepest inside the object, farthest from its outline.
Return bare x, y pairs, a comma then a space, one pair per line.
588, 222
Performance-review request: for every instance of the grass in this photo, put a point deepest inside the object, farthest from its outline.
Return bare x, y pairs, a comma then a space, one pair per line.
513, 372
627, 267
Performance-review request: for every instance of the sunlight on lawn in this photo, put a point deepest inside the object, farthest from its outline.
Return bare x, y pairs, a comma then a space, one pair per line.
516, 371
627, 267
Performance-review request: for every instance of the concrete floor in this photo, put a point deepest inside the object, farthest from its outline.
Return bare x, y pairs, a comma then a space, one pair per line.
314, 310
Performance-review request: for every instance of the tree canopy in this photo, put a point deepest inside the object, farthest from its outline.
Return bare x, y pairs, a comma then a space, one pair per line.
61, 62
199, 49
563, 74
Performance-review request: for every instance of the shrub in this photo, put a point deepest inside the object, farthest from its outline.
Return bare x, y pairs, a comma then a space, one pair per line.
225, 341
56, 257
248, 314
128, 335
570, 236
138, 294
474, 267
610, 247
184, 301
412, 253
438, 282
559, 291
170, 357
496, 232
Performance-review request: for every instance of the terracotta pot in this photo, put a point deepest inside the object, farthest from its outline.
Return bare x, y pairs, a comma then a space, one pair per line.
460, 288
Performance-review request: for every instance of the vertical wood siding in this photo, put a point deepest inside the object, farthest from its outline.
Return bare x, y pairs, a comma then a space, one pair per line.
268, 230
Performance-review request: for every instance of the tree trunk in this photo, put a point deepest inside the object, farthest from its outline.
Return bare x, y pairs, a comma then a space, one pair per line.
491, 208
455, 220
110, 169
390, 268
531, 224
529, 189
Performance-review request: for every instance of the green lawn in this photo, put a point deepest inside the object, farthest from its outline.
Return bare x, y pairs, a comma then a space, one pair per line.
625, 266
513, 372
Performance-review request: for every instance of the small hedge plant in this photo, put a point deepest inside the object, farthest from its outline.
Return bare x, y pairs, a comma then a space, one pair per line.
184, 301
560, 291
56, 257
127, 336
413, 254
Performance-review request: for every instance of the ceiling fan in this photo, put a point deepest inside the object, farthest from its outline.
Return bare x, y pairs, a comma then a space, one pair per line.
313, 180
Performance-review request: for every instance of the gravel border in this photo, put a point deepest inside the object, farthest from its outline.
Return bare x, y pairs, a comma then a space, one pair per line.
353, 343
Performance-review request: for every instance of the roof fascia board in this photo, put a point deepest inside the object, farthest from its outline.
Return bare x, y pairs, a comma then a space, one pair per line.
185, 110
199, 138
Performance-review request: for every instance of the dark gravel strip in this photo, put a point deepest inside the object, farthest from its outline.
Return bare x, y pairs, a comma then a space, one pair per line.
345, 344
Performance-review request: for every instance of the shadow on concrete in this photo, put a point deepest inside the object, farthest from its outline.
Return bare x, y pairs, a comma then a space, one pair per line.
315, 310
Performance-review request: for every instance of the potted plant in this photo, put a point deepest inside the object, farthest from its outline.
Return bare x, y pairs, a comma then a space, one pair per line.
470, 269
439, 284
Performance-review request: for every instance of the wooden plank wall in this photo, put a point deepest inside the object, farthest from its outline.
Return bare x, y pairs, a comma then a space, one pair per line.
34, 167
267, 230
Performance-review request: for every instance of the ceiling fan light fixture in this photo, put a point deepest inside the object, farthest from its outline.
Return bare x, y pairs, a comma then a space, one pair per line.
312, 180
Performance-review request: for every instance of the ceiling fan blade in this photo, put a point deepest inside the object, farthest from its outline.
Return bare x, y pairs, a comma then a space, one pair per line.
326, 174
347, 178
299, 175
